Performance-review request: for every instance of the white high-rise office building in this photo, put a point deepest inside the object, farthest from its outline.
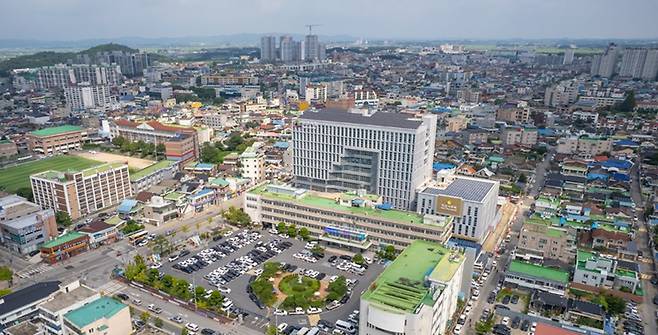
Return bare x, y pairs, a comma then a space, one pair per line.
268, 48
632, 62
605, 65
388, 154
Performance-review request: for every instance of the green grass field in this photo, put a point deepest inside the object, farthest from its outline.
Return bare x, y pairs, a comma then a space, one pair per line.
18, 176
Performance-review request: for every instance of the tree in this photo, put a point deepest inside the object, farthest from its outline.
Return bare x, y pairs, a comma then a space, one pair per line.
25, 192
145, 316
181, 289
158, 322
118, 141
160, 148
184, 331
237, 217
292, 231
63, 219
281, 227
271, 330
389, 252
358, 259
5, 273
317, 250
167, 282
153, 275
199, 293
628, 104
304, 233
523, 178
215, 299
185, 229
161, 245
615, 305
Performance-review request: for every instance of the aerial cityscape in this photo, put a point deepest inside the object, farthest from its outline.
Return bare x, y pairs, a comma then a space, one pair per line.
362, 167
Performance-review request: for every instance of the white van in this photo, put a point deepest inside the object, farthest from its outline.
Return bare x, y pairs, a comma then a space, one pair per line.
345, 326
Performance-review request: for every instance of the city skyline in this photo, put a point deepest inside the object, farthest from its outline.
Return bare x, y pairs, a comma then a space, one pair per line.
509, 19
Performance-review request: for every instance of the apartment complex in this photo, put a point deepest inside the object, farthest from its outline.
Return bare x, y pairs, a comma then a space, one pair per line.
181, 143
24, 225
388, 154
416, 294
55, 139
61, 76
639, 63
351, 220
563, 94
84, 96
471, 201
83, 192
605, 65
526, 137
584, 145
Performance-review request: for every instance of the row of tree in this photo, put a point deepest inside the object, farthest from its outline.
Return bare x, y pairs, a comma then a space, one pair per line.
134, 147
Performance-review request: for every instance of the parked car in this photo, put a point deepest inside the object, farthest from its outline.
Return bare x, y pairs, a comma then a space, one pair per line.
123, 296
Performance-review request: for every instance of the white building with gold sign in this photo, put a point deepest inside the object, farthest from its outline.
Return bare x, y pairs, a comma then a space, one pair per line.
472, 202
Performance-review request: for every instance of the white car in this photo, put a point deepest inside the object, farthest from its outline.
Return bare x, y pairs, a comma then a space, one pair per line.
506, 320
313, 310
281, 327
297, 311
458, 329
280, 312
533, 327
192, 327
173, 257
224, 289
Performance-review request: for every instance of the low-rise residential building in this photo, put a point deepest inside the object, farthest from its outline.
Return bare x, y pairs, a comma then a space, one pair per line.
539, 241
536, 277
587, 146
7, 148
73, 296
64, 247
24, 226
605, 271
56, 139
472, 202
519, 136
252, 163
100, 233
83, 192
159, 210
104, 316
416, 294
152, 175
22, 305
348, 220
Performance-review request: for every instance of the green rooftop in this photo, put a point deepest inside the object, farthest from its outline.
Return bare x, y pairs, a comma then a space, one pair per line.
401, 287
55, 130
68, 237
101, 308
313, 200
539, 271
101, 168
626, 273
151, 169
175, 196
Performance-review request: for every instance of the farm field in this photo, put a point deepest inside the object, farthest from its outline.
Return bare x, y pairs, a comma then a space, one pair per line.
15, 177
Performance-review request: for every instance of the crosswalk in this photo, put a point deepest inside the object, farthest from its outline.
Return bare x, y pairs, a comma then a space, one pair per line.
111, 287
33, 270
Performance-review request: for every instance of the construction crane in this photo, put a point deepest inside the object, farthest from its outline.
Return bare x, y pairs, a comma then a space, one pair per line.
310, 28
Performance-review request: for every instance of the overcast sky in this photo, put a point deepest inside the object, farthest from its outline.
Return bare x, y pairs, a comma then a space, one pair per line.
413, 19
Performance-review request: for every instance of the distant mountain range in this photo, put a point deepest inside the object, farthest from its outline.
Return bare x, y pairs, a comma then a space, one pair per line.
236, 40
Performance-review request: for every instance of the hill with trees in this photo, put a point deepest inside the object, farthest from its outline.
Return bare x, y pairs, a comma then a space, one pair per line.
47, 58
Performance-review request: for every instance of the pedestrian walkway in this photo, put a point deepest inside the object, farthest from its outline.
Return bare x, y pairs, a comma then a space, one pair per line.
33, 270
111, 288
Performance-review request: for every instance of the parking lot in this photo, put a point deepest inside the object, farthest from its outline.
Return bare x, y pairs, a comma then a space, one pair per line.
230, 263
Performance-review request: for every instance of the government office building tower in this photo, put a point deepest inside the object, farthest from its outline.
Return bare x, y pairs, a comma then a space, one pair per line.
388, 154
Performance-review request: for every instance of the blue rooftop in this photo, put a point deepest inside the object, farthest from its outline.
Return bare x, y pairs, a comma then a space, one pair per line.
626, 143
438, 166
617, 164
595, 176
281, 145
126, 206
204, 166
203, 192
545, 132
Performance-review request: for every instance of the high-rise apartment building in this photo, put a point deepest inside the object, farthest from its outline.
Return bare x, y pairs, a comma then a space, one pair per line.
286, 49
268, 49
632, 62
83, 192
311, 48
61, 76
650, 70
85, 96
131, 63
568, 56
605, 65
388, 154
